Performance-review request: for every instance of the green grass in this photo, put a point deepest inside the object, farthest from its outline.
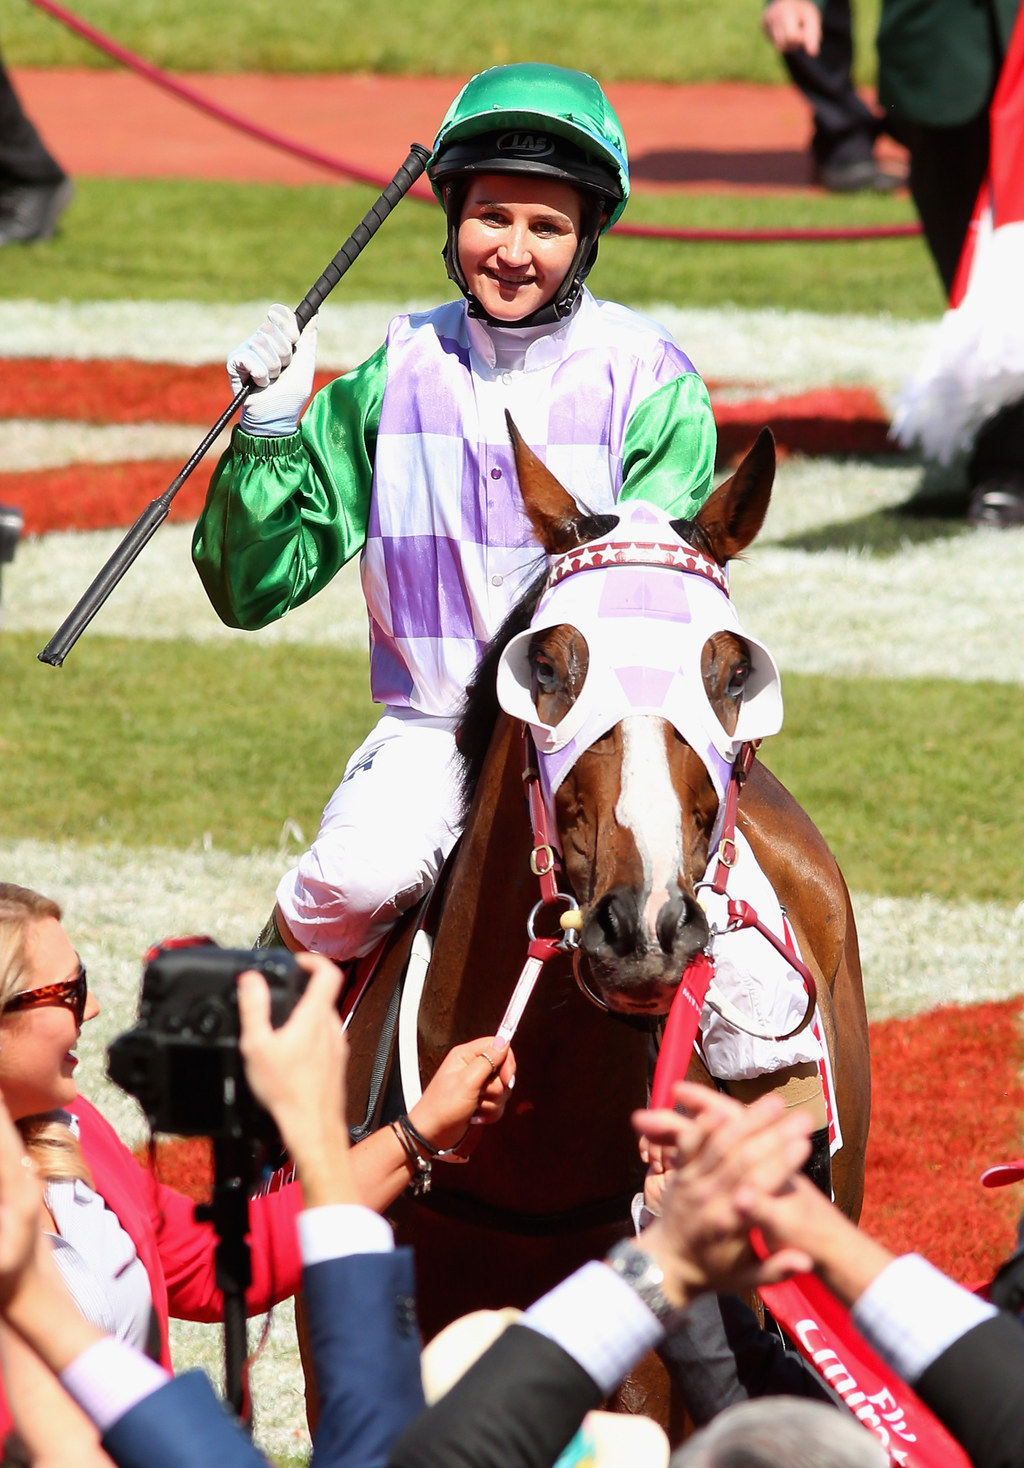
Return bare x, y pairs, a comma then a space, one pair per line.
884, 769
178, 239
156, 742
163, 742
665, 40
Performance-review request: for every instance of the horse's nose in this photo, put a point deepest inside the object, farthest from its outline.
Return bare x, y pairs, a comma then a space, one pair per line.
612, 925
681, 922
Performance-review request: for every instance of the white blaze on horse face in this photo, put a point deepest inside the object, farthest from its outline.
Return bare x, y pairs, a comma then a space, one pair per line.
648, 806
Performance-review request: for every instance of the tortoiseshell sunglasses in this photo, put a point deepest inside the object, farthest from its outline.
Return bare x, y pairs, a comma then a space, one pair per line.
71, 993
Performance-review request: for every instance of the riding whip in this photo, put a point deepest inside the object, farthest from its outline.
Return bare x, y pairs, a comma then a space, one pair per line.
146, 526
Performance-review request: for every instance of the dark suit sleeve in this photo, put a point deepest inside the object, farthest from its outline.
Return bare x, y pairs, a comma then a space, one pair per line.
975, 1390
517, 1407
182, 1425
718, 1355
366, 1351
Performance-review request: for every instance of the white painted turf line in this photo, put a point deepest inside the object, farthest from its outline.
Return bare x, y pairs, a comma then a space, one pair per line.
940, 609
787, 350
32, 443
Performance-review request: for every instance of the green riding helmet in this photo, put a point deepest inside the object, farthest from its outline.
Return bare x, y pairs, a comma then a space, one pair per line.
538, 120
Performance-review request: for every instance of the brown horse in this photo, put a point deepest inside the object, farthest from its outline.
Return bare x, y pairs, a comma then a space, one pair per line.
550, 1186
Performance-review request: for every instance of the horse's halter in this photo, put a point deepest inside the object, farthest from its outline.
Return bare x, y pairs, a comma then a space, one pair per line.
645, 632
646, 603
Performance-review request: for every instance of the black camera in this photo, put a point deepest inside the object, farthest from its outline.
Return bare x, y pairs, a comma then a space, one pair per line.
181, 1059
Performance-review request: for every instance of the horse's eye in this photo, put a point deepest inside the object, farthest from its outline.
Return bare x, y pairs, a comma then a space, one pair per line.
545, 679
737, 681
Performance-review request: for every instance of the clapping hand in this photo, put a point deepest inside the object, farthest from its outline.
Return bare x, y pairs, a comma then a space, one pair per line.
720, 1156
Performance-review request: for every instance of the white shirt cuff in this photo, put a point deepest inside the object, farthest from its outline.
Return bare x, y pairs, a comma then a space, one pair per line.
600, 1321
912, 1312
340, 1229
109, 1378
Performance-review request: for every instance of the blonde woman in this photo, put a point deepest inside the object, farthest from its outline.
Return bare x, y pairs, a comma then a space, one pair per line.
129, 1248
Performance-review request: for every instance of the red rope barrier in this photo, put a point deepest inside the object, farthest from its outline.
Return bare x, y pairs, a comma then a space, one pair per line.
768, 236
188, 94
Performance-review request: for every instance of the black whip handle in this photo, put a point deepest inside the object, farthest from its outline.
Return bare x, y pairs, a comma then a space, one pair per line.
153, 516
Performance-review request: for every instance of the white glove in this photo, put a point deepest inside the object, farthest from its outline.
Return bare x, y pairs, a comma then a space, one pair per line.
281, 373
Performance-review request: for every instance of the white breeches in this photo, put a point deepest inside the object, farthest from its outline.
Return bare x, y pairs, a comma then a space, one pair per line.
383, 837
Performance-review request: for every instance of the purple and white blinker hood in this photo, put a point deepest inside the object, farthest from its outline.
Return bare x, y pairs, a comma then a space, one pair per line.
646, 602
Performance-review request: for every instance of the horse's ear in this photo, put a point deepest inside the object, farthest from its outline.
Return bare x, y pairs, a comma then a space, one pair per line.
732, 516
553, 512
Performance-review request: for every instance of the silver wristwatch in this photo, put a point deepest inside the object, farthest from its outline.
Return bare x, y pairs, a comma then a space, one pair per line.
644, 1276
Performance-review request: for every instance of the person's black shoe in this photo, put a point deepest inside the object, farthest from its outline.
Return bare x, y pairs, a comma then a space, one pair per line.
998, 502
30, 211
856, 178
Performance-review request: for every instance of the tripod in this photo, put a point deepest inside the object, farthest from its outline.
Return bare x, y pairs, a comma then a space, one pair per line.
235, 1174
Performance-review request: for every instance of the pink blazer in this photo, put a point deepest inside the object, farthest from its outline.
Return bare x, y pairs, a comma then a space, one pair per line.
176, 1252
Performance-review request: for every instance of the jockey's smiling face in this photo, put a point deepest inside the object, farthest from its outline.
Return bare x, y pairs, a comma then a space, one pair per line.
517, 239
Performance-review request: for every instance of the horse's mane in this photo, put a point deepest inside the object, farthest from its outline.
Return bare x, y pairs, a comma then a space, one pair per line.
480, 709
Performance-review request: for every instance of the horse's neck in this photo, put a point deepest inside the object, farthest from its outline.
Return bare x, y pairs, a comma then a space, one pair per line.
565, 1137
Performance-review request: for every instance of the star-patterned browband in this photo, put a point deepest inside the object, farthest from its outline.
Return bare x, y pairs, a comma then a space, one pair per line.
677, 557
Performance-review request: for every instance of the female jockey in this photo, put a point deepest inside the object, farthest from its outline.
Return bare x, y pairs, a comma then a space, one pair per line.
407, 460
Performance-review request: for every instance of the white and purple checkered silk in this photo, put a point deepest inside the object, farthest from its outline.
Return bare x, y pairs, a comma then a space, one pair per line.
449, 548
646, 603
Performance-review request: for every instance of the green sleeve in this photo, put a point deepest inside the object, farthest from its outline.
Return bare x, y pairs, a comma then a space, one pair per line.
668, 455
283, 515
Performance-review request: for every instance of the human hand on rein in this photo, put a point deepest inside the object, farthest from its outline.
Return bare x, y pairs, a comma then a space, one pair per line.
471, 1085
658, 1160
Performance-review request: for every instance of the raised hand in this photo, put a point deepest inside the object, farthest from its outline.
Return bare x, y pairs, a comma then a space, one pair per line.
280, 365
298, 1073
793, 25
720, 1154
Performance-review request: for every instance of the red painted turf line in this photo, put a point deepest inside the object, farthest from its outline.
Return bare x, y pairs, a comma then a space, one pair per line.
116, 391
100, 496
948, 1100
109, 496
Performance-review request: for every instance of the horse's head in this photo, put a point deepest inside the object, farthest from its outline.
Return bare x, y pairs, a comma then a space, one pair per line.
640, 687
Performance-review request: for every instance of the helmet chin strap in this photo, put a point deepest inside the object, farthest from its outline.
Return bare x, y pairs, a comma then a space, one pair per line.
562, 302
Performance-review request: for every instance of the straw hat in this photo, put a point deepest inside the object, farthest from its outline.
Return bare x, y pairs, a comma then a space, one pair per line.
605, 1440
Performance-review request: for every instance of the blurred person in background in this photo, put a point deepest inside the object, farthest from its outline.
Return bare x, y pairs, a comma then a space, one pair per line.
816, 45
940, 62
34, 189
